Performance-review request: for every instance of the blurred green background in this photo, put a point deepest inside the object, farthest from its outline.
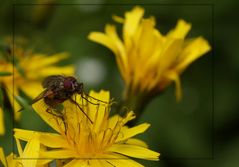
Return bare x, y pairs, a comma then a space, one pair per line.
188, 133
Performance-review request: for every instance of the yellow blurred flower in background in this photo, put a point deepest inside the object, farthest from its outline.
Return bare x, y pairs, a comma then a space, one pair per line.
148, 60
28, 69
105, 142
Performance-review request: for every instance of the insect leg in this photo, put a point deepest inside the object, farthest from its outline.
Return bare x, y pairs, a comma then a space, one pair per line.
65, 124
48, 110
74, 102
82, 95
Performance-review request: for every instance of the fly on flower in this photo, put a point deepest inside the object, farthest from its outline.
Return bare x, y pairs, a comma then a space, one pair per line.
58, 89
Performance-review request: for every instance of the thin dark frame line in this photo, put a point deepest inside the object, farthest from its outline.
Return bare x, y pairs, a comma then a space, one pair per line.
145, 4
165, 158
213, 90
117, 4
13, 74
185, 158
90, 158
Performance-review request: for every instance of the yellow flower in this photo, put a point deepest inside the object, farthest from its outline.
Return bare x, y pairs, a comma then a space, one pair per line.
28, 156
27, 72
148, 60
105, 142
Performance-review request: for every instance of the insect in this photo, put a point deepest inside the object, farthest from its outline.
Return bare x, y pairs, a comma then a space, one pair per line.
59, 88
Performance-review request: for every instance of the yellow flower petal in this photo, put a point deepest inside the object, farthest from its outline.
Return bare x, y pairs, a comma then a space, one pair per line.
130, 132
54, 121
2, 127
80, 163
53, 140
118, 19
31, 151
169, 54
98, 163
11, 161
43, 60
147, 34
59, 154
123, 163
132, 20
174, 77
32, 89
119, 160
130, 116
121, 57
103, 39
104, 163
102, 95
87, 163
44, 162
48, 139
167, 57
19, 147
134, 151
12, 92
136, 142
192, 51
112, 41
113, 121
2, 157
24, 135
181, 30
157, 49
108, 42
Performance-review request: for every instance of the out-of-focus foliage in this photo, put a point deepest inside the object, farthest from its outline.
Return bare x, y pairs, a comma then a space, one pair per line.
182, 132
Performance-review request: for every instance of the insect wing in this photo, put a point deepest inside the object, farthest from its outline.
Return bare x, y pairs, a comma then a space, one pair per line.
52, 81
40, 96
